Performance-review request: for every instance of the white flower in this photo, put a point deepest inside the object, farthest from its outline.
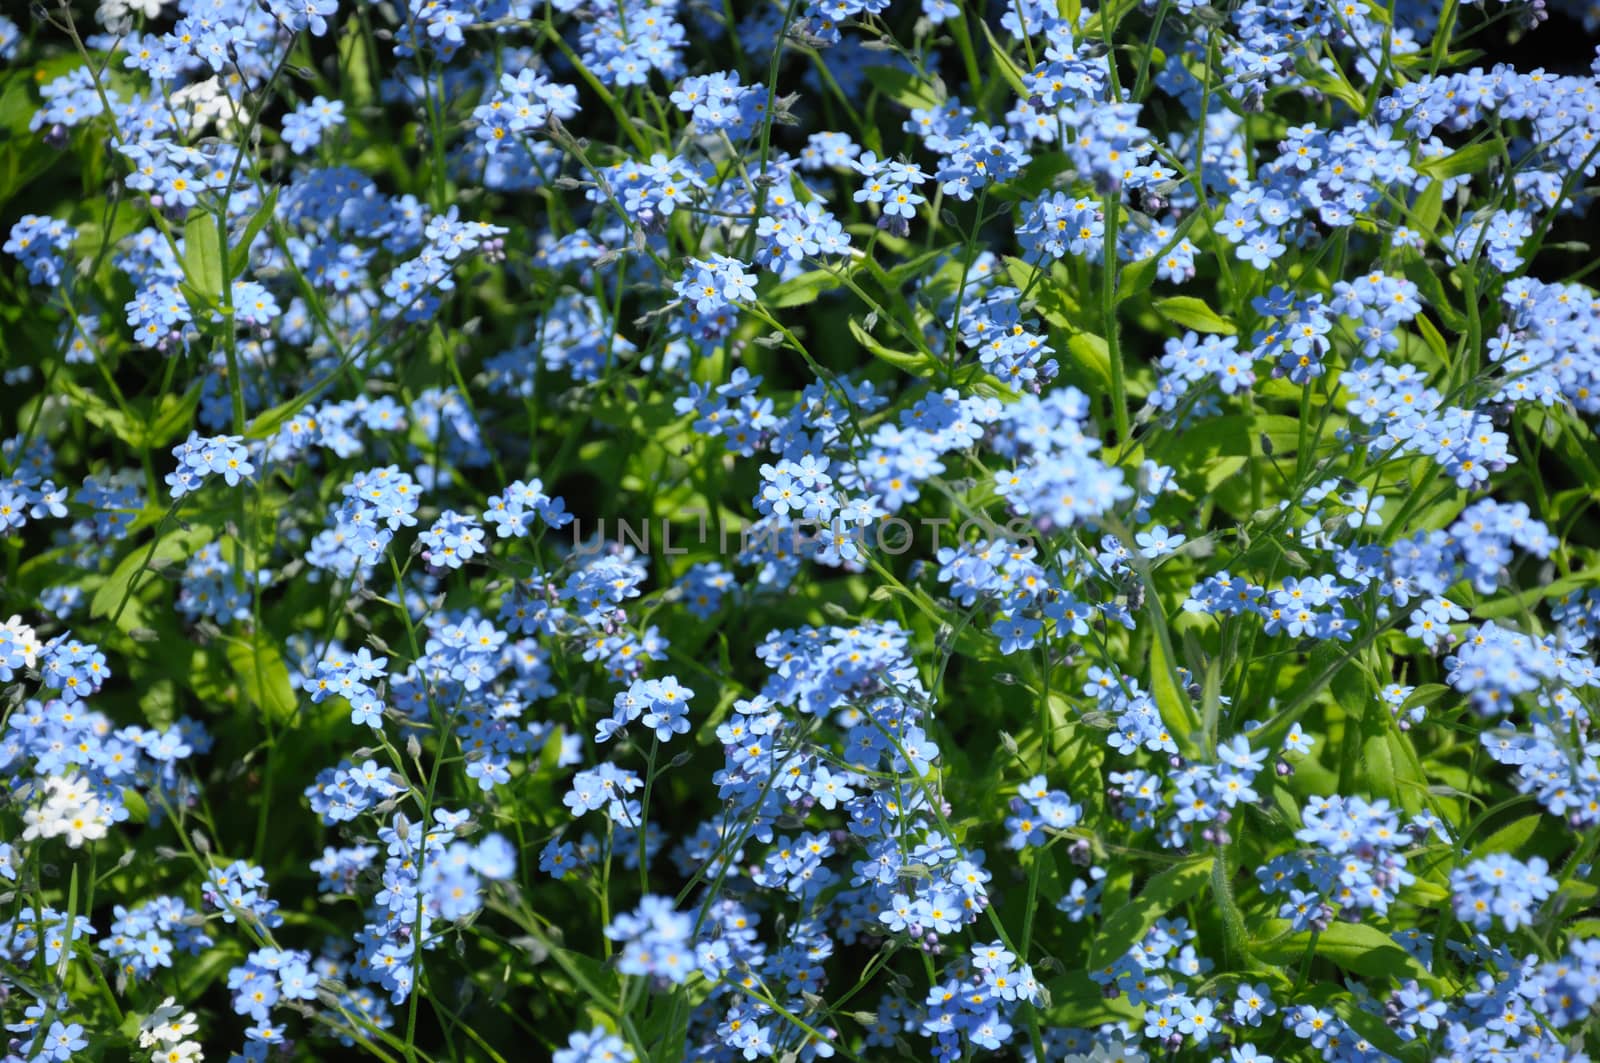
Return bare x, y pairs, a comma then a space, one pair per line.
178, 1052
115, 9
26, 640
69, 808
167, 1011
180, 1028
67, 789
206, 102
166, 1029
86, 823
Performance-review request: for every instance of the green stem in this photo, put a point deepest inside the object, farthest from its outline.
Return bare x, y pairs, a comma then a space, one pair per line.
1108, 313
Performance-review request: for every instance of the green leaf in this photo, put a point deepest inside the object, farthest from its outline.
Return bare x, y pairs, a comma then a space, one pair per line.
258, 221
22, 162
1137, 277
356, 82
1425, 211
1573, 439
798, 291
159, 701
72, 910
1170, 701
1357, 947
174, 546
156, 424
1075, 1000
1333, 85
1049, 291
100, 413
666, 1032
1378, 773
896, 275
263, 677
138, 808
1039, 176
1189, 312
596, 980
1218, 447
202, 255
170, 419
211, 966
1103, 23
269, 421
1469, 159
17, 105
1435, 341
915, 364
1507, 839
1008, 69
1092, 354
1514, 604
1581, 892
1080, 751
1426, 694
1126, 926
904, 87
1428, 283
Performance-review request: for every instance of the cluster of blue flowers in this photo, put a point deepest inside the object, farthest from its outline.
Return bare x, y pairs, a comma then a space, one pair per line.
643, 530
